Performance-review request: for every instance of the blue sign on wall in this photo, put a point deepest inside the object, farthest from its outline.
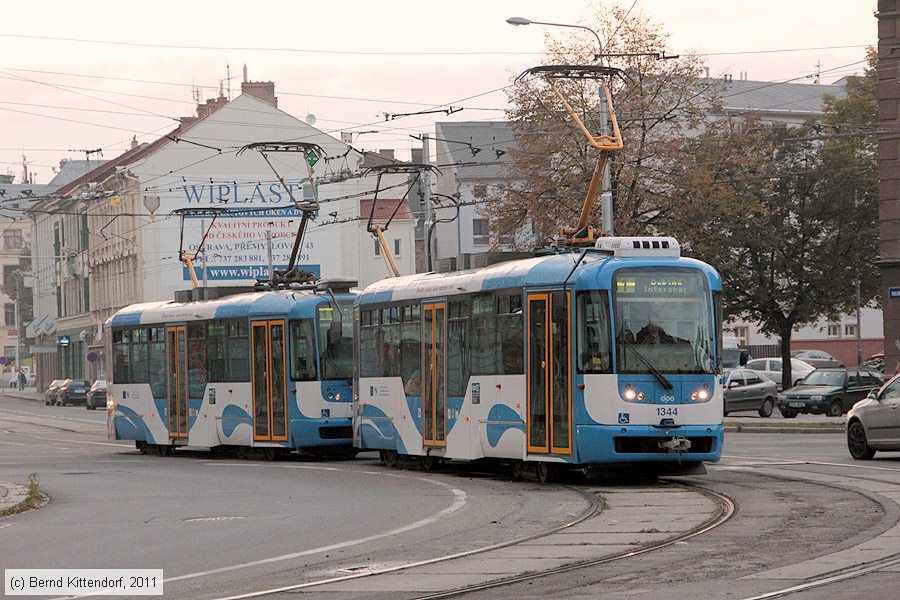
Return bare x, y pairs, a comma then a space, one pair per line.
894, 293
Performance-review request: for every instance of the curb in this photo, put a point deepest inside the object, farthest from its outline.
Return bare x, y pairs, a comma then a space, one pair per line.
14, 496
752, 429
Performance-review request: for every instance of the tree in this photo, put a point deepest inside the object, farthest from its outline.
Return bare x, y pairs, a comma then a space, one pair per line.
787, 213
657, 102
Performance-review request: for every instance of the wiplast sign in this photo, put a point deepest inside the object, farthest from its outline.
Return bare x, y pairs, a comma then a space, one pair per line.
238, 241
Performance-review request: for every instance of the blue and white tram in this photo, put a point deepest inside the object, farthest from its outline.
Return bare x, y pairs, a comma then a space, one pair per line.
270, 371
583, 358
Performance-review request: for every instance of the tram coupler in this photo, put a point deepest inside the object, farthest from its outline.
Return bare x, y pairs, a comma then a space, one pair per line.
676, 444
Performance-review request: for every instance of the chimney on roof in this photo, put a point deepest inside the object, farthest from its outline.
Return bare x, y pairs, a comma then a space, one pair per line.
387, 153
62, 163
264, 90
134, 142
211, 106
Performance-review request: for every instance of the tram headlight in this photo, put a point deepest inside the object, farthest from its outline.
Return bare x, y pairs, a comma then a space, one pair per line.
630, 394
702, 394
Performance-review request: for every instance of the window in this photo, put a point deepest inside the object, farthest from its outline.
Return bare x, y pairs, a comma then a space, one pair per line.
410, 350
479, 192
10, 311
396, 247
215, 351
377, 247
594, 349
834, 330
237, 350
12, 239
457, 342
850, 330
753, 378
742, 333
196, 355
303, 350
336, 341
484, 335
480, 232
10, 272
511, 334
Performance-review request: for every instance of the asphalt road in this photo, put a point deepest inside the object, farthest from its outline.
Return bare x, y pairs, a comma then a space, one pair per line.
223, 527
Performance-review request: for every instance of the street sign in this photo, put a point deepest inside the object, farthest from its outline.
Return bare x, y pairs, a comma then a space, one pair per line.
894, 293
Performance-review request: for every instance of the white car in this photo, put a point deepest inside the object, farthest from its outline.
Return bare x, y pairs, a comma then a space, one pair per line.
771, 368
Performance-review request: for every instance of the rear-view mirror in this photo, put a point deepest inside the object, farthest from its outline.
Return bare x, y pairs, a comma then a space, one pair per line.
873, 395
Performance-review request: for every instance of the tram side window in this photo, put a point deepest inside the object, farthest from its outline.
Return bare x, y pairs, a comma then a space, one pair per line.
303, 351
511, 328
336, 342
156, 361
237, 349
484, 335
594, 348
410, 350
197, 374
457, 342
215, 351
367, 329
389, 351
121, 350
138, 356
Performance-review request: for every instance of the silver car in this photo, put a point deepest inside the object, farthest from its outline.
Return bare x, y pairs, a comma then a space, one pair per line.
771, 368
749, 390
874, 423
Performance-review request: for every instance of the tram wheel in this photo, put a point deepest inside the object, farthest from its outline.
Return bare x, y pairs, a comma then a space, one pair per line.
142, 447
269, 454
390, 458
519, 471
427, 462
241, 452
546, 472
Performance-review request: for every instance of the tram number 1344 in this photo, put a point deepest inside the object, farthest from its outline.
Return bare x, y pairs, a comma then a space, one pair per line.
667, 411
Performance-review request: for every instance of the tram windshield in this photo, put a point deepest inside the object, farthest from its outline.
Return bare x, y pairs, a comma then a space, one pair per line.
336, 340
663, 321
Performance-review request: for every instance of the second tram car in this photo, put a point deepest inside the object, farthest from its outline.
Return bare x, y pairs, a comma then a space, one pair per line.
268, 370
607, 355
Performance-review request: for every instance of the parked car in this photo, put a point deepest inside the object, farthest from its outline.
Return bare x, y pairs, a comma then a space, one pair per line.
96, 396
73, 391
749, 390
771, 368
828, 391
50, 393
872, 423
818, 359
735, 357
876, 362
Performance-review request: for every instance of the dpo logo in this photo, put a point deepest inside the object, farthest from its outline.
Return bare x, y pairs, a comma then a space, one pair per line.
667, 398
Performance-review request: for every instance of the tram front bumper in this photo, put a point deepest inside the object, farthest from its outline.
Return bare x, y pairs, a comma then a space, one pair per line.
645, 443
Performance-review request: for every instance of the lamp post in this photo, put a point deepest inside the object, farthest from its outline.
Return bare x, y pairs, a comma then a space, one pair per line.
606, 199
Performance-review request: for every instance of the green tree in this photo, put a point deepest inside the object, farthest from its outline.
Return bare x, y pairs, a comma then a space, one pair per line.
787, 213
657, 102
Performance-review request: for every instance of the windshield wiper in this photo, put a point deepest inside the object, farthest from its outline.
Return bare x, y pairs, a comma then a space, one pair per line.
659, 376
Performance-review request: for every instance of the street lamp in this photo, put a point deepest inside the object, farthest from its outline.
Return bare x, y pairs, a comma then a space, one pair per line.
606, 199
517, 21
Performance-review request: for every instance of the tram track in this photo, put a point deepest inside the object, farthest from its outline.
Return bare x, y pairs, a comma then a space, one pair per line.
848, 472
726, 510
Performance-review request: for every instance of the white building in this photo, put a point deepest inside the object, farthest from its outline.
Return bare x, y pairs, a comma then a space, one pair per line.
114, 236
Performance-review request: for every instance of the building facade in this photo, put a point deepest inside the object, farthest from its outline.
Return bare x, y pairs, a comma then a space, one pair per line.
116, 235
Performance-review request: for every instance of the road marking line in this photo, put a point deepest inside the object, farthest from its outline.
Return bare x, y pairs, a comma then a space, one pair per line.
460, 499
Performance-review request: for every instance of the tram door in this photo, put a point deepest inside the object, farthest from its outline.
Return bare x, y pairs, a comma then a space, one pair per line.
434, 368
269, 381
549, 364
176, 361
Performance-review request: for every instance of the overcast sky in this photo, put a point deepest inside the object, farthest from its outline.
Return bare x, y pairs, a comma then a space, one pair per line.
93, 74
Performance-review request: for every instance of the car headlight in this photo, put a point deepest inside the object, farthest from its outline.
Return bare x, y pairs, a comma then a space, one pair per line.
817, 398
